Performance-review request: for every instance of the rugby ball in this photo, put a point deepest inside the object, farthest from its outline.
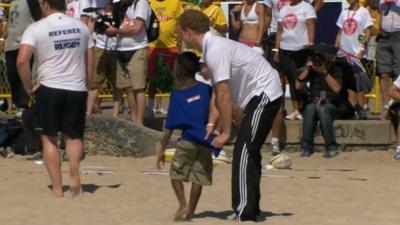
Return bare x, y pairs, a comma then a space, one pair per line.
281, 161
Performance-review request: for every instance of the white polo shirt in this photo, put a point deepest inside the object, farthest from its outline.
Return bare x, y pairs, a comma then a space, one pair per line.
138, 41
249, 74
60, 44
353, 23
293, 19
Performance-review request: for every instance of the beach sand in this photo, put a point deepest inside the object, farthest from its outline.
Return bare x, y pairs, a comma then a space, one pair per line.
356, 188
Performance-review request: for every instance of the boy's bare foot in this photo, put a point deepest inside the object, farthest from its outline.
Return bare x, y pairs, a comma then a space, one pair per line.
180, 214
58, 194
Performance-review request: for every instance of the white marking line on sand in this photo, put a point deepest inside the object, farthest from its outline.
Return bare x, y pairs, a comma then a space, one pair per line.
96, 169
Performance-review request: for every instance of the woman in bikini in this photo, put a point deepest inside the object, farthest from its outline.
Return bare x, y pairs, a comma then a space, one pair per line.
251, 22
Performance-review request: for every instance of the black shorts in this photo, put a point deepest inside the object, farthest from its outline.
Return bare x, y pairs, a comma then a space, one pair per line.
61, 111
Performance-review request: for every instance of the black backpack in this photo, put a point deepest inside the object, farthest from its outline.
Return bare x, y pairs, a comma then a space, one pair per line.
153, 30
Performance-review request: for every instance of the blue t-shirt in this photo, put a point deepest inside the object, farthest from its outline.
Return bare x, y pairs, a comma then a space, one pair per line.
188, 111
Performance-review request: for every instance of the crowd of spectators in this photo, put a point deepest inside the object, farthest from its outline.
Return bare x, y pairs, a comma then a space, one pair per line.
325, 84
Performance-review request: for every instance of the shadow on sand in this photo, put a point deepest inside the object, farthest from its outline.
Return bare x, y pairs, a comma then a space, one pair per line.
224, 215
90, 188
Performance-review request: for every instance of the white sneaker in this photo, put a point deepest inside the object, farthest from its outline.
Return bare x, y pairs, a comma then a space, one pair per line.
221, 157
295, 115
275, 149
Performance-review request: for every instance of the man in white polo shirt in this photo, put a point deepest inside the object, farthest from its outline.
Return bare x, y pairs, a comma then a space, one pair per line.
64, 50
243, 77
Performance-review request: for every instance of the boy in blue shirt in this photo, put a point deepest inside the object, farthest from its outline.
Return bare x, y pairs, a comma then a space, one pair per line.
188, 111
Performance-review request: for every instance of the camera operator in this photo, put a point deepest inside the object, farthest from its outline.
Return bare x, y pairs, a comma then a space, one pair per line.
132, 47
105, 56
324, 100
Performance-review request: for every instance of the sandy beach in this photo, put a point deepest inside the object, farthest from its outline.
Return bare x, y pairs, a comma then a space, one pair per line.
356, 188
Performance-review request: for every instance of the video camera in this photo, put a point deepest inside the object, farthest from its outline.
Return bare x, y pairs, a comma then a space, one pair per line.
102, 21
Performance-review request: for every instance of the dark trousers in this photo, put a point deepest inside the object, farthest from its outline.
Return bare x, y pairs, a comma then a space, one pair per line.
19, 96
326, 114
291, 63
246, 164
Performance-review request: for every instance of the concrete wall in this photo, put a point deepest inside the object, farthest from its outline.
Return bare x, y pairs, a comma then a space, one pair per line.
347, 132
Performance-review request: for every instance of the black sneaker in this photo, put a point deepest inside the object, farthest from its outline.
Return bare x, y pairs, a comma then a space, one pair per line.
305, 153
330, 153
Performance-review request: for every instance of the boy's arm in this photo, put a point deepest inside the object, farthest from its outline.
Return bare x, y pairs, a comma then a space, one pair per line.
164, 142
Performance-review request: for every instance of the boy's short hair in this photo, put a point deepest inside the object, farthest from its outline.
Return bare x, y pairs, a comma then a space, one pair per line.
194, 20
187, 65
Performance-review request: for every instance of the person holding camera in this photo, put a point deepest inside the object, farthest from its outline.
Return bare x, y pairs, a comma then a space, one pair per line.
323, 100
132, 47
105, 57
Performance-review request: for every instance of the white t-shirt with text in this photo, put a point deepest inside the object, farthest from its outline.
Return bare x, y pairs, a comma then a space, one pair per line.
60, 44
248, 72
353, 23
293, 18
276, 6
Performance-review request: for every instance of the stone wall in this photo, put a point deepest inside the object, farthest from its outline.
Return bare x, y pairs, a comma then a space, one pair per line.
106, 135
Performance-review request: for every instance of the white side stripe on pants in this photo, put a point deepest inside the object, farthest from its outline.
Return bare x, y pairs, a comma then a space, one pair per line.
242, 181
256, 116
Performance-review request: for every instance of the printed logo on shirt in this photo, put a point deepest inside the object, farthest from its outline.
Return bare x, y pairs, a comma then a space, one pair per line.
160, 12
68, 42
290, 21
282, 3
192, 99
349, 26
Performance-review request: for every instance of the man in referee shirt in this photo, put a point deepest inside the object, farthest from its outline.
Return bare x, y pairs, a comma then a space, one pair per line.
64, 49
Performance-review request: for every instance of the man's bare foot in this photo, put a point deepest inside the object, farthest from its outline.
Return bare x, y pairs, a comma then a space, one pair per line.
75, 189
75, 192
189, 216
180, 214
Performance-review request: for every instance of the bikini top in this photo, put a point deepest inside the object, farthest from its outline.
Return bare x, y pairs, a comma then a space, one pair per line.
252, 17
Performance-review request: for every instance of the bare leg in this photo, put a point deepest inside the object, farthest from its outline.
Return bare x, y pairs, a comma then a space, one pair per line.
398, 135
131, 103
74, 150
10, 105
277, 124
362, 100
352, 97
177, 185
384, 80
195, 194
51, 156
91, 101
151, 91
296, 106
140, 99
117, 98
